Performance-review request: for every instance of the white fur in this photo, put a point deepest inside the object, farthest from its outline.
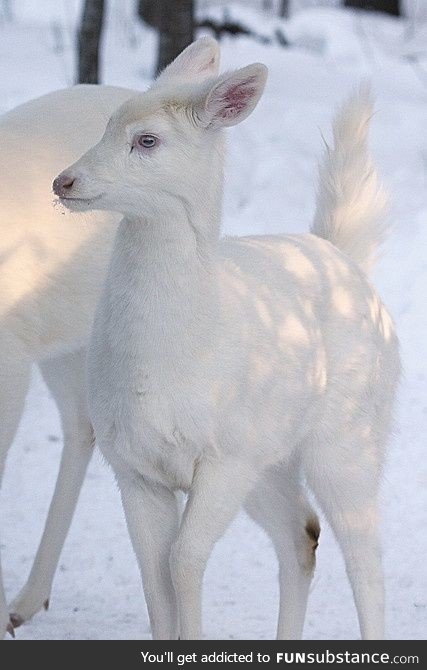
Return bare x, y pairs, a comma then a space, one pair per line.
227, 368
51, 270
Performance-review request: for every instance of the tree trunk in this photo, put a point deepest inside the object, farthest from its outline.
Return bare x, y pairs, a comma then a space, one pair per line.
388, 6
149, 12
284, 9
176, 29
89, 41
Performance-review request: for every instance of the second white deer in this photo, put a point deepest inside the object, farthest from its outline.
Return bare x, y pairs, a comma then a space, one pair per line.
229, 368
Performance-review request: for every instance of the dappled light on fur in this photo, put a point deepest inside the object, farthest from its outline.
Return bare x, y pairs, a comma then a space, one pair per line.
258, 356
342, 301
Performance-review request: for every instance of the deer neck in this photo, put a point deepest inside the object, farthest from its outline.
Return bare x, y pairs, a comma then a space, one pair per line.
162, 289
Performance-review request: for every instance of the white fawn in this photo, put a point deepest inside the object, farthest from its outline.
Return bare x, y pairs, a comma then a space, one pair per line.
231, 368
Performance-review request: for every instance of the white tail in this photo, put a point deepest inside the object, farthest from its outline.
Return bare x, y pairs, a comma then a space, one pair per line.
350, 210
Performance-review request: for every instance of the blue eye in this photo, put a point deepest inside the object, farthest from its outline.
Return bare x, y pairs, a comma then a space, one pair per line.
146, 141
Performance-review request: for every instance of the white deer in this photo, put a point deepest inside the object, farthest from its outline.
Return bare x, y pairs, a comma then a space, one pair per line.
50, 277
229, 368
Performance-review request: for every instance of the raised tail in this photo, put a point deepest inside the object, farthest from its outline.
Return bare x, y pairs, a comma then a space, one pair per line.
351, 205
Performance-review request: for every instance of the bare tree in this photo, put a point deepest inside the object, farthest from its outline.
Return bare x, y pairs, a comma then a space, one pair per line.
89, 39
149, 11
176, 29
284, 8
389, 6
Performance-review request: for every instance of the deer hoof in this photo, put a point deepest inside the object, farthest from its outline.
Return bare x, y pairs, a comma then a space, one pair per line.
15, 621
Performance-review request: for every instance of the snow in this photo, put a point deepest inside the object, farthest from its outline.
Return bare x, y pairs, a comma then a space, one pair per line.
270, 188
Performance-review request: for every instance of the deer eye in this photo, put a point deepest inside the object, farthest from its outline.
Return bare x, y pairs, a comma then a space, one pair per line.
146, 141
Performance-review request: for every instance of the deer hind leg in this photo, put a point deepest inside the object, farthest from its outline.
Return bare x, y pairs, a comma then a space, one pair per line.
279, 505
344, 476
65, 377
14, 382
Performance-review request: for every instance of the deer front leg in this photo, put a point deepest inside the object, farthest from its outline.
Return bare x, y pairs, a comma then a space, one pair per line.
152, 518
218, 491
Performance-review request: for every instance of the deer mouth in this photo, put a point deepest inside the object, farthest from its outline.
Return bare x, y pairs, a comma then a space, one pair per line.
78, 202
69, 198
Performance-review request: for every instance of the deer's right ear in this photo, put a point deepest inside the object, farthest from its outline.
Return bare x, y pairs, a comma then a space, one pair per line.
198, 61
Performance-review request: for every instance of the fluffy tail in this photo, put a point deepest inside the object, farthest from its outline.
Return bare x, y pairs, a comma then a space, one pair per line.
351, 205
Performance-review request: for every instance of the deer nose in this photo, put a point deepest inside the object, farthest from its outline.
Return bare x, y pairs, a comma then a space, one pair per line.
63, 185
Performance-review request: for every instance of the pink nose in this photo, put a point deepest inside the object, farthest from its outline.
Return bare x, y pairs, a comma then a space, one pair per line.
63, 185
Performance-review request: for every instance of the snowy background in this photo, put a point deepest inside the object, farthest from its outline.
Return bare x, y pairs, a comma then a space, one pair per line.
270, 188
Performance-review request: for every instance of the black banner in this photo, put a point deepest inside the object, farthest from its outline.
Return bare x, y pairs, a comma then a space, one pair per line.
181, 654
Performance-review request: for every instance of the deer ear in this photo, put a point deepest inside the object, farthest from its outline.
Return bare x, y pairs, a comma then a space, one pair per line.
233, 97
198, 61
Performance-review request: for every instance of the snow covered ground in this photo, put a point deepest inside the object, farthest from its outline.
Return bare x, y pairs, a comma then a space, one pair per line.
270, 188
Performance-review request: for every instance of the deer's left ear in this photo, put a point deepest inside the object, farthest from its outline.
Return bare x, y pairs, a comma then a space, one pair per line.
233, 97
198, 61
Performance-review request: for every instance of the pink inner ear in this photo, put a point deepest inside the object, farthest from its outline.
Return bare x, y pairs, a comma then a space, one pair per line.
237, 98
